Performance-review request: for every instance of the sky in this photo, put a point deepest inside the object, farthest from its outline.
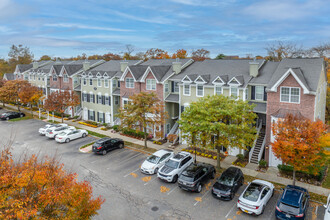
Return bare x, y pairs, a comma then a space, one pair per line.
65, 28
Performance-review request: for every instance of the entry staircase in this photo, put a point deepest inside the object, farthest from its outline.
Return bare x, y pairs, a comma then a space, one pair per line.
258, 145
174, 132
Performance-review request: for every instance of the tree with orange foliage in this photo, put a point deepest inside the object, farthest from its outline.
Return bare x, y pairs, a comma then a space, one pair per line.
200, 54
60, 101
9, 92
155, 53
181, 54
39, 188
300, 143
30, 95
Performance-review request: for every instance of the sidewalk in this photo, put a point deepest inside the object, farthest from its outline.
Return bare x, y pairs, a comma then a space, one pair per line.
270, 175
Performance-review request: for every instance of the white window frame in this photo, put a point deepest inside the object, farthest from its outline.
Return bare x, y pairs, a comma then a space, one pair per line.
197, 85
106, 100
129, 83
237, 92
150, 84
99, 98
262, 94
219, 87
116, 100
166, 87
290, 94
99, 82
184, 89
84, 97
90, 81
55, 78
65, 78
114, 83
84, 81
91, 97
106, 83
176, 87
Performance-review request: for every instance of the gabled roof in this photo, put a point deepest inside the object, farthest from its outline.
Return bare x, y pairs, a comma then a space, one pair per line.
72, 68
160, 71
159, 62
23, 67
282, 113
8, 76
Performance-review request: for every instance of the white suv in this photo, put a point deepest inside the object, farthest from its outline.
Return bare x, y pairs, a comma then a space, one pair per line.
174, 167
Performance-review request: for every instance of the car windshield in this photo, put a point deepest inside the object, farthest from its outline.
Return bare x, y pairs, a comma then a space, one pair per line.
172, 164
62, 134
226, 180
289, 208
187, 178
252, 192
153, 159
5, 114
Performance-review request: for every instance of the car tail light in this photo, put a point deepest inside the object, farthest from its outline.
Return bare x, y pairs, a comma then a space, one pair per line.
300, 215
257, 207
59, 138
238, 201
278, 209
99, 148
50, 132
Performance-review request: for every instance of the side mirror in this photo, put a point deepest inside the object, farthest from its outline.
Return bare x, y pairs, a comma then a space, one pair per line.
248, 182
325, 206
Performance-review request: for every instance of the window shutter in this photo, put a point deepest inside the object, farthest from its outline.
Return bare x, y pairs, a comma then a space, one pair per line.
98, 116
103, 100
172, 86
265, 94
94, 100
103, 118
97, 99
93, 115
88, 98
88, 115
109, 100
253, 92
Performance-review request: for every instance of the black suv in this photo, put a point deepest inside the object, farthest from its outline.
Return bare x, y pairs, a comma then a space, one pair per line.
227, 185
104, 145
194, 176
11, 115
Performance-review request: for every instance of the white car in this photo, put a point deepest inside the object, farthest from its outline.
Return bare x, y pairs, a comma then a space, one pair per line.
152, 164
52, 132
327, 209
68, 135
43, 130
254, 198
172, 169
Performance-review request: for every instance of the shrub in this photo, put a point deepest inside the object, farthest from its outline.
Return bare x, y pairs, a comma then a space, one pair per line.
288, 170
92, 123
240, 156
203, 154
209, 156
198, 153
75, 117
263, 164
116, 128
215, 157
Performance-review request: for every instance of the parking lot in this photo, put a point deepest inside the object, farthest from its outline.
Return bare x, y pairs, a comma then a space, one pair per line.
130, 194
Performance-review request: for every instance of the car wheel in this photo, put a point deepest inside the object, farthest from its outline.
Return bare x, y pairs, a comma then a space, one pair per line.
21, 116
121, 146
273, 193
84, 135
199, 188
175, 178
104, 152
67, 140
242, 182
213, 175
231, 195
262, 211
7, 118
156, 170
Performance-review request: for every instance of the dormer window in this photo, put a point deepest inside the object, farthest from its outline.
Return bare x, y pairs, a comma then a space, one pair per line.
151, 84
186, 89
259, 93
91, 81
84, 81
129, 83
54, 77
234, 92
217, 90
99, 82
199, 90
106, 83
65, 78
290, 94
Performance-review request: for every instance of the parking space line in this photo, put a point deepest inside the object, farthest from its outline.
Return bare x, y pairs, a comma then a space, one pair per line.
124, 161
230, 211
151, 180
130, 172
202, 198
172, 190
94, 161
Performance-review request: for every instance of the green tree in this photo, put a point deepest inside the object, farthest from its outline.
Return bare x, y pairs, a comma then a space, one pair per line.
19, 55
45, 57
216, 121
144, 109
220, 56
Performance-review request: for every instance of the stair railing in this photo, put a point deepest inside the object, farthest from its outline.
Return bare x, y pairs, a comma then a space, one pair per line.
255, 141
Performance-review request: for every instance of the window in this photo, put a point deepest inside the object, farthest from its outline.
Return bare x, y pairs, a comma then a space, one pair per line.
290, 94
246, 93
65, 78
186, 89
90, 81
34, 77
233, 92
91, 115
39, 78
84, 97
106, 83
106, 102
218, 90
176, 86
166, 87
168, 128
54, 77
85, 81
92, 97
100, 114
116, 100
259, 93
199, 90
129, 83
99, 82
99, 99
151, 84
114, 83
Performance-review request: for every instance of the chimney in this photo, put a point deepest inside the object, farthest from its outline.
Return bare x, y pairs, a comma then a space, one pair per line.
123, 65
35, 65
254, 65
177, 66
86, 65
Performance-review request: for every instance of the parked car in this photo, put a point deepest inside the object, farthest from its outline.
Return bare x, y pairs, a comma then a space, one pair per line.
327, 209
152, 164
44, 129
293, 203
228, 183
52, 132
254, 198
11, 115
69, 135
104, 145
195, 176
172, 169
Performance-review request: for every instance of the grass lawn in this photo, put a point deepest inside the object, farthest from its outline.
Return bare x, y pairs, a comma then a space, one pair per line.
27, 117
86, 145
326, 182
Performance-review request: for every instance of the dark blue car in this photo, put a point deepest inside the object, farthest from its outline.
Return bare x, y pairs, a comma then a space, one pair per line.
293, 203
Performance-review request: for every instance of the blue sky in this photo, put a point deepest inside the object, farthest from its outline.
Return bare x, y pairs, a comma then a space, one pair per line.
71, 27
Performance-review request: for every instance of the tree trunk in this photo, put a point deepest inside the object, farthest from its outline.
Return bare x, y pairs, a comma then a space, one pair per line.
294, 177
17, 106
218, 157
31, 111
62, 114
145, 136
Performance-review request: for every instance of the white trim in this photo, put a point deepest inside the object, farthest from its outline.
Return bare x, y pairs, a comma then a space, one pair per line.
215, 87
263, 93
128, 83
98, 75
289, 94
106, 80
237, 91
199, 84
122, 78
186, 84
145, 74
286, 74
184, 81
151, 89
90, 75
97, 82
200, 78
216, 83
234, 78
105, 75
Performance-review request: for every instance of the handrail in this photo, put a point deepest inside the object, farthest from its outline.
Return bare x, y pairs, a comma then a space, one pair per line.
174, 128
255, 141
262, 149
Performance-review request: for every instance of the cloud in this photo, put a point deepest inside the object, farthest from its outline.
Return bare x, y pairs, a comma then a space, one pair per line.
80, 26
112, 37
154, 19
202, 2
